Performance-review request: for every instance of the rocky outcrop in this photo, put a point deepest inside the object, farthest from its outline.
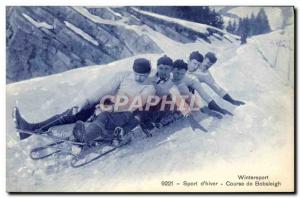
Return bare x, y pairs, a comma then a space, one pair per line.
47, 40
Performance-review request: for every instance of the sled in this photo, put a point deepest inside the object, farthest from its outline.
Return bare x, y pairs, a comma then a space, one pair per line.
87, 154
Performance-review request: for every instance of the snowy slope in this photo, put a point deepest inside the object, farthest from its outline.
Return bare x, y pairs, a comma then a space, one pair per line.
248, 140
277, 50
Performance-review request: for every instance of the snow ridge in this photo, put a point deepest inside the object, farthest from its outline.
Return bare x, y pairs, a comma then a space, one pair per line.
38, 24
81, 33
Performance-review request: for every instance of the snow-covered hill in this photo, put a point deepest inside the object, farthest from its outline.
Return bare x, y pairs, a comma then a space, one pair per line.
254, 141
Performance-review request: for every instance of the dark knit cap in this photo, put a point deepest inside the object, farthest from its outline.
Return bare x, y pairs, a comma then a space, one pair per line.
197, 56
165, 60
180, 64
211, 57
142, 66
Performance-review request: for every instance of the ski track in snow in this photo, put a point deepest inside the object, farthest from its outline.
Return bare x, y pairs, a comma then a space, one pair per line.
255, 127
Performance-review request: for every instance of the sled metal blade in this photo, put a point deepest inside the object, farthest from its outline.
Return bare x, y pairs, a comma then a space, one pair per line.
42, 152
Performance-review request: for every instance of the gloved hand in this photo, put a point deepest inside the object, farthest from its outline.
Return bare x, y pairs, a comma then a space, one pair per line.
194, 124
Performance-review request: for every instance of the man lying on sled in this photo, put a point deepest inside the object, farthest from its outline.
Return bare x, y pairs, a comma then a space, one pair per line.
186, 82
129, 84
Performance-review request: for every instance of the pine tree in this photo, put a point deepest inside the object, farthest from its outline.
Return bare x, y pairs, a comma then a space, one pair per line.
229, 27
215, 19
234, 27
247, 26
262, 22
240, 28
243, 29
252, 24
206, 12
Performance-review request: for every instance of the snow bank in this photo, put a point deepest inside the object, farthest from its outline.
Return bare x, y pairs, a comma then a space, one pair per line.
277, 49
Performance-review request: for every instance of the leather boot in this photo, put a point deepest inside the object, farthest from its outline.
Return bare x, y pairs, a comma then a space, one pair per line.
43, 126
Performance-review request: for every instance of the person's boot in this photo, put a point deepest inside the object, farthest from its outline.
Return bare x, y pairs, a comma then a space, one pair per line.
212, 105
43, 126
87, 134
79, 132
228, 98
120, 136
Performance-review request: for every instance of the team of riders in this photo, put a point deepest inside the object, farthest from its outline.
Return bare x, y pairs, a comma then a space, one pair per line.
145, 98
